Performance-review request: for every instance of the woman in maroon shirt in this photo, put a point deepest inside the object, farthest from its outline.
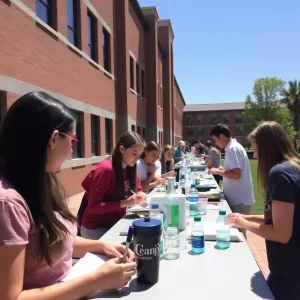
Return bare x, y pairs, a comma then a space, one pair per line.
108, 187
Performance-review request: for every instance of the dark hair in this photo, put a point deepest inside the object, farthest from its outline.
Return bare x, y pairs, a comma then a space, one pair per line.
151, 146
220, 129
210, 146
24, 137
128, 139
196, 142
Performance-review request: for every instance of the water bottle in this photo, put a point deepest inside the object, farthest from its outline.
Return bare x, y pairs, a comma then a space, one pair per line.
182, 175
198, 236
193, 200
189, 175
155, 214
171, 206
223, 231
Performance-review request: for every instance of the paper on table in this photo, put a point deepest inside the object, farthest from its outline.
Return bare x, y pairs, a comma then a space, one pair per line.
212, 207
210, 232
89, 263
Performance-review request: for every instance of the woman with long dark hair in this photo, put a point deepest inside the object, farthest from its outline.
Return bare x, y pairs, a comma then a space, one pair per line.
37, 231
279, 181
149, 167
109, 187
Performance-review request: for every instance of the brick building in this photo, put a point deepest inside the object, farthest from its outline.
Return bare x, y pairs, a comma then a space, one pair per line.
111, 61
199, 119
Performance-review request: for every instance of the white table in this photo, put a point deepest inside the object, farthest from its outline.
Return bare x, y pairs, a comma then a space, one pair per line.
231, 274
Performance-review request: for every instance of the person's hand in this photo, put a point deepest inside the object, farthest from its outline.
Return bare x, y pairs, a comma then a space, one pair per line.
237, 220
162, 181
139, 198
116, 250
152, 168
114, 274
214, 171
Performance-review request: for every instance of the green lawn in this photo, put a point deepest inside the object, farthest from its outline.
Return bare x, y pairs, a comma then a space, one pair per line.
258, 207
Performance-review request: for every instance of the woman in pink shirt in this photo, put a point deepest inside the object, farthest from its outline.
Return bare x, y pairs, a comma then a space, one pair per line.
37, 231
109, 187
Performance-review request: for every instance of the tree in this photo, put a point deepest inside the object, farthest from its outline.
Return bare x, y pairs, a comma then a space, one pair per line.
291, 98
266, 106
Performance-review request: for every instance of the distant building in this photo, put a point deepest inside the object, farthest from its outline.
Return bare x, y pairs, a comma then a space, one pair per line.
199, 119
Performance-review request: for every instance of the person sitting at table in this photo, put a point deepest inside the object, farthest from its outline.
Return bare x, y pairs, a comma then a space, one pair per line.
110, 185
149, 167
213, 159
167, 162
179, 152
199, 149
37, 231
279, 181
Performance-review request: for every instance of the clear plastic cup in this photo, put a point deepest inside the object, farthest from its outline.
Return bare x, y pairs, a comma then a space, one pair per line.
202, 206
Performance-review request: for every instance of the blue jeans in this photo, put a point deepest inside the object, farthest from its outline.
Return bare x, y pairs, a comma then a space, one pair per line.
283, 287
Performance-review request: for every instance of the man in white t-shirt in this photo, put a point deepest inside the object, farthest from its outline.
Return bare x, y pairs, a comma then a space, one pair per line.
237, 180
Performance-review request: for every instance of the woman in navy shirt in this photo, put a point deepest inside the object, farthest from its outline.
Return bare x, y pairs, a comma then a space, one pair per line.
279, 181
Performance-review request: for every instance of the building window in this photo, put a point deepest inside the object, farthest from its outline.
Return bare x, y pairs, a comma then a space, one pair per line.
144, 132
139, 130
137, 74
72, 15
108, 135
190, 132
77, 149
160, 138
106, 50
131, 73
225, 119
213, 119
200, 120
188, 120
143, 83
44, 11
201, 131
92, 36
161, 97
238, 118
133, 128
95, 135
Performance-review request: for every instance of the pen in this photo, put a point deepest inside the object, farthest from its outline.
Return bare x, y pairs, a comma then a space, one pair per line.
132, 192
128, 241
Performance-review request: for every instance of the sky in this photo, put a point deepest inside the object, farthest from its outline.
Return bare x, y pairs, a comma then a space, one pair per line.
221, 47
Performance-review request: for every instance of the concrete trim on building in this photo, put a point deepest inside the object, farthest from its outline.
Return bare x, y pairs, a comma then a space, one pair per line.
167, 22
81, 162
138, 10
150, 11
61, 37
15, 86
97, 15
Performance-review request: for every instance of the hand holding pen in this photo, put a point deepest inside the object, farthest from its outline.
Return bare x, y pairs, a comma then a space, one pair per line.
136, 199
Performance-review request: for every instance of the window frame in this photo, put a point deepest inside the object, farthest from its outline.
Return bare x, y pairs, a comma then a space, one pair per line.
75, 17
131, 68
78, 148
49, 7
95, 123
93, 47
106, 40
108, 135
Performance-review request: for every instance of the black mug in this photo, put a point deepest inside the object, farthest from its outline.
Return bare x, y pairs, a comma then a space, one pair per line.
146, 245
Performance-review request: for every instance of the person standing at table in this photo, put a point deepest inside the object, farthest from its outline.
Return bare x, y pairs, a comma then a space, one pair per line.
108, 187
213, 159
179, 152
279, 182
237, 180
167, 162
149, 167
37, 231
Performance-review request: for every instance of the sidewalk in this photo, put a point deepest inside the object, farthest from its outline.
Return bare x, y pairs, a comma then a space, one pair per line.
256, 243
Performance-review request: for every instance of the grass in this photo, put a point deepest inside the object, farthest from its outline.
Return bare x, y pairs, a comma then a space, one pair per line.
258, 207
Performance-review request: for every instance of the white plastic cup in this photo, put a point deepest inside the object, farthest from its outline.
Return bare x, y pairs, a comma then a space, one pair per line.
202, 206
